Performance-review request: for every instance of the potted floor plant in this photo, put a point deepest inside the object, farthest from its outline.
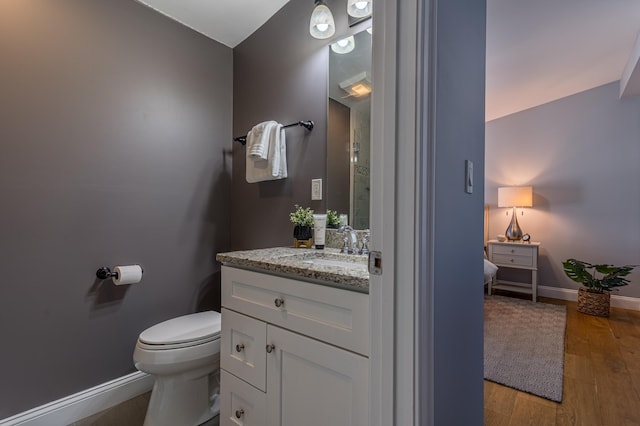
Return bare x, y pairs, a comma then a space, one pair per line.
302, 218
598, 281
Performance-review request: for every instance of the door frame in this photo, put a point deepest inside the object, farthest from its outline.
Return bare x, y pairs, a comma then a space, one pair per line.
401, 379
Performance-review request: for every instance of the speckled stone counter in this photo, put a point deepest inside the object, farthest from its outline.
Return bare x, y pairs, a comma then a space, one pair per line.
328, 266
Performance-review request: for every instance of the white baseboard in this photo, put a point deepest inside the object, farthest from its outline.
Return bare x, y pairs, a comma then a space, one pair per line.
624, 302
84, 404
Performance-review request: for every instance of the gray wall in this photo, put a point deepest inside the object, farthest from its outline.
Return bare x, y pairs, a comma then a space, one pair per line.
113, 122
581, 154
280, 73
459, 136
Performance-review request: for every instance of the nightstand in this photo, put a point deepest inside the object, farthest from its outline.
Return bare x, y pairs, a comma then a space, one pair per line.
516, 256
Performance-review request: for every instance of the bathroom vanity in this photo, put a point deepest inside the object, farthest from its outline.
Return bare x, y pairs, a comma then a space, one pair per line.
295, 338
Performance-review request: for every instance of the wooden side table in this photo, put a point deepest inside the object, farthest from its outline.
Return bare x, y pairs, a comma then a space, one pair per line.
516, 256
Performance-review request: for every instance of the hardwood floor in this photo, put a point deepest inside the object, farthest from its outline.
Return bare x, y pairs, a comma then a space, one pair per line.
601, 377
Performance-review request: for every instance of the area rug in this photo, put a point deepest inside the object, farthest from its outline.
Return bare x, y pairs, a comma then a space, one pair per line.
524, 345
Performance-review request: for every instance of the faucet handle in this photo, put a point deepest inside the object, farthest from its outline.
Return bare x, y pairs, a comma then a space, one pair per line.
365, 244
345, 245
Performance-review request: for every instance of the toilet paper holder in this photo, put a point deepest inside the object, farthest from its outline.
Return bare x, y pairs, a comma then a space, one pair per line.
105, 273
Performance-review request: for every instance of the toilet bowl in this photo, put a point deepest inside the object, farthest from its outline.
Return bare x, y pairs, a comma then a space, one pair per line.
184, 355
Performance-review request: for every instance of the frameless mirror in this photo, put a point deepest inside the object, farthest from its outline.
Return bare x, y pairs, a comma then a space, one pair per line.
348, 128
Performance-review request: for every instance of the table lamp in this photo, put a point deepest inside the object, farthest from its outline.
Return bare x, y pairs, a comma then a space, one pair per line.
515, 196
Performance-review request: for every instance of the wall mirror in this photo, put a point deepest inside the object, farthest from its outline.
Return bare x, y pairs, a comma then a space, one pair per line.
348, 128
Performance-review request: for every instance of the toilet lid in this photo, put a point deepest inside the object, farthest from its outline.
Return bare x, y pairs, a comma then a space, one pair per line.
184, 329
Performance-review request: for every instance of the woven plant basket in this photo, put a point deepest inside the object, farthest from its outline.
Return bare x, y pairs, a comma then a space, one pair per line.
593, 303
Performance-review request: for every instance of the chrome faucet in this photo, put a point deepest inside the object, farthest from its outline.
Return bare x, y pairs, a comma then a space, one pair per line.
350, 240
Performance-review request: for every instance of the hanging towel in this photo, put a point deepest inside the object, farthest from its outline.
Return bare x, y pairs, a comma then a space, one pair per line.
275, 165
258, 140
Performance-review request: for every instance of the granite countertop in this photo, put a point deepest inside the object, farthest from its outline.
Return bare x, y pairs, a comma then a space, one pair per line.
328, 266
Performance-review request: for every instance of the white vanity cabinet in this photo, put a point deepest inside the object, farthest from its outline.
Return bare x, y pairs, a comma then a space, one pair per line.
292, 352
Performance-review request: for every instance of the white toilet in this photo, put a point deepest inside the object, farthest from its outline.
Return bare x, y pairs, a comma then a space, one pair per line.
184, 356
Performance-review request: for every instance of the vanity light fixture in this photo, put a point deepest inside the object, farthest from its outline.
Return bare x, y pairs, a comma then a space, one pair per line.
359, 8
343, 46
321, 25
515, 196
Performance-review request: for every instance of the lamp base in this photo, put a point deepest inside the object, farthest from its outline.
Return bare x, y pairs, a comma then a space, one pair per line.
514, 233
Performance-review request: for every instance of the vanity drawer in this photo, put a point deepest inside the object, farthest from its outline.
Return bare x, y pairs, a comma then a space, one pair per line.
333, 315
242, 349
240, 403
512, 250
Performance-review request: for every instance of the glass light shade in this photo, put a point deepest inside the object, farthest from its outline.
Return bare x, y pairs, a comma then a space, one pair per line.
359, 8
515, 196
321, 25
343, 46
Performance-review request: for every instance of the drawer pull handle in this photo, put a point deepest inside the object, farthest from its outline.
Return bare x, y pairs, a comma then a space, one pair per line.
512, 251
239, 413
279, 302
240, 347
270, 348
511, 260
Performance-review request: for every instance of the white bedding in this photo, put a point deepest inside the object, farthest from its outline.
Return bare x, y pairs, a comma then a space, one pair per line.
489, 271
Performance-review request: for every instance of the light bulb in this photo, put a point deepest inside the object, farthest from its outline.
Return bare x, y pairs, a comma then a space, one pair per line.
321, 25
359, 8
343, 46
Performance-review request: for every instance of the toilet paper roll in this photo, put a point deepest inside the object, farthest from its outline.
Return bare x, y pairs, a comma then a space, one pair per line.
129, 274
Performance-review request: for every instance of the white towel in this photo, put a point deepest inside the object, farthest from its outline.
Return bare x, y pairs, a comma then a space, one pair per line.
258, 140
275, 166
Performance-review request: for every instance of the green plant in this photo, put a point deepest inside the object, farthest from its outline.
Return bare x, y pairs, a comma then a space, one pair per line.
301, 216
610, 276
333, 218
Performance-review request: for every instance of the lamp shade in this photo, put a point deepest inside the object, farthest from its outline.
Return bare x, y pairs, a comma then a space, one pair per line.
321, 25
515, 196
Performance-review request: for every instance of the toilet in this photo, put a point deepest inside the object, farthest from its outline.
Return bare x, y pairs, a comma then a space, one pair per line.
184, 356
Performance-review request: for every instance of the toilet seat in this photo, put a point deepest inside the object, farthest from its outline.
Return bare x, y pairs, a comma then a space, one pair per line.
181, 332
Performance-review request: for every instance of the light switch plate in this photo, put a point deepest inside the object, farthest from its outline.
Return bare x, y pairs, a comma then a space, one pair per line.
316, 189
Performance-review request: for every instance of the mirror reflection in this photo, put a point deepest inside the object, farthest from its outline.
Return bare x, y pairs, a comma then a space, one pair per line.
348, 128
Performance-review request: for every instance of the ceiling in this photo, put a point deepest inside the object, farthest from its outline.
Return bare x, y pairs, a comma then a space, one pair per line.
537, 50
542, 50
226, 21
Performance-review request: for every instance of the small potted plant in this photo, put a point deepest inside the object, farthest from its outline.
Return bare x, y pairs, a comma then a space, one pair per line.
594, 297
302, 218
333, 219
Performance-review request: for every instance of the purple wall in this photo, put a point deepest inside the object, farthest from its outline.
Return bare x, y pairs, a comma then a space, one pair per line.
113, 126
280, 73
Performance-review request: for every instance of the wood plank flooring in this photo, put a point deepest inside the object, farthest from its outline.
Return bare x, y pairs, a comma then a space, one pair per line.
601, 377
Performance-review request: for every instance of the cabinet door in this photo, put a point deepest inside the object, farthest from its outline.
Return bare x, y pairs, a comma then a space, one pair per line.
242, 348
240, 403
312, 383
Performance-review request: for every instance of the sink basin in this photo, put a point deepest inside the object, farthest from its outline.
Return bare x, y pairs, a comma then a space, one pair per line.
334, 260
